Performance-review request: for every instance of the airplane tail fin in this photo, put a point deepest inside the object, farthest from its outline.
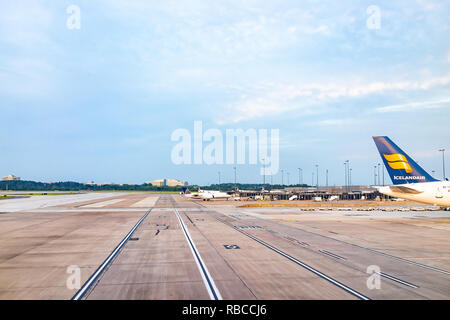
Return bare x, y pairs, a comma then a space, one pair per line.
401, 168
186, 190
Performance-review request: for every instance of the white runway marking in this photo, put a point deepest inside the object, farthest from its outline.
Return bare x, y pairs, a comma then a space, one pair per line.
40, 202
93, 278
145, 203
213, 292
102, 203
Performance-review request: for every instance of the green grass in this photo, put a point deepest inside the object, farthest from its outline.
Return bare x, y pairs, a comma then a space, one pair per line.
56, 193
128, 191
40, 193
52, 193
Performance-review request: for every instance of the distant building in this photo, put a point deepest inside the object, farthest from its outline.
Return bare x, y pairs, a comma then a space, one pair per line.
167, 183
106, 184
11, 177
90, 182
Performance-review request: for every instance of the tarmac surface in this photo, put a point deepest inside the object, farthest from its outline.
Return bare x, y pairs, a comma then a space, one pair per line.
184, 249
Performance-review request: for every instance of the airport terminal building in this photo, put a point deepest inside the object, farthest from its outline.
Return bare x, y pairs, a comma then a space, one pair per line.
11, 177
167, 183
310, 193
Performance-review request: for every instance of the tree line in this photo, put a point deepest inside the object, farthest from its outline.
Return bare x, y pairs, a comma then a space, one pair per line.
22, 185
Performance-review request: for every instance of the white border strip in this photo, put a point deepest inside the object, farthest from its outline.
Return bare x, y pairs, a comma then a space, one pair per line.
398, 280
316, 272
328, 253
320, 274
213, 292
87, 285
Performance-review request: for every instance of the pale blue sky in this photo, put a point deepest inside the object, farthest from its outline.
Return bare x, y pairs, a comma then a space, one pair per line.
100, 103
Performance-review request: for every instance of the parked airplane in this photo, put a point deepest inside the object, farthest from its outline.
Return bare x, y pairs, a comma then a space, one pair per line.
410, 180
206, 195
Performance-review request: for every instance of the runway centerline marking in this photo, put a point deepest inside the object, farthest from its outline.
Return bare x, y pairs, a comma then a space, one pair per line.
207, 279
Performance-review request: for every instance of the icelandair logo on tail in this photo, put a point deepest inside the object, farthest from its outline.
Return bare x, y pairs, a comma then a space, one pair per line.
398, 161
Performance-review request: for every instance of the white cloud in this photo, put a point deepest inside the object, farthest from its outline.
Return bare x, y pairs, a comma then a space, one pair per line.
220, 30
445, 103
269, 99
26, 68
25, 24
335, 122
25, 77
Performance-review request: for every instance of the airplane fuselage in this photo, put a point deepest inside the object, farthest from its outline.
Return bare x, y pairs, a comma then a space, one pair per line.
436, 192
207, 195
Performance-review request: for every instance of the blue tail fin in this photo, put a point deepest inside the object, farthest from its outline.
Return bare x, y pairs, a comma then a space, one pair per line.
402, 169
186, 190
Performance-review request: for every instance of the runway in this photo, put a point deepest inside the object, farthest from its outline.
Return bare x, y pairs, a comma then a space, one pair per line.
181, 249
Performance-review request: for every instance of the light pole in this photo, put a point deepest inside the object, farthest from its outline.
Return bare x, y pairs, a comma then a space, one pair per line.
219, 180
379, 182
287, 178
345, 175
235, 184
317, 176
264, 172
375, 175
300, 176
350, 177
443, 162
312, 181
347, 180
282, 177
326, 180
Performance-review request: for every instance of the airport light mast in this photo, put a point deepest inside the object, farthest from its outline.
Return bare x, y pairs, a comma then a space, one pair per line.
346, 167
300, 176
264, 171
345, 176
379, 182
348, 175
317, 176
219, 180
235, 184
282, 177
375, 175
443, 162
